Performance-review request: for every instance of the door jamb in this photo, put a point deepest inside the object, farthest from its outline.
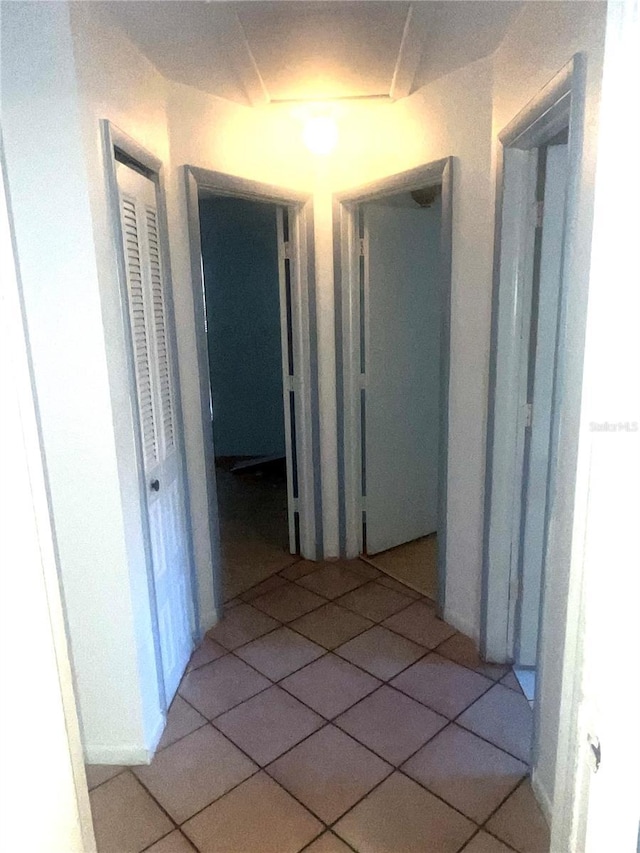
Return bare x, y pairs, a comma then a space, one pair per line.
307, 404
115, 140
560, 104
347, 331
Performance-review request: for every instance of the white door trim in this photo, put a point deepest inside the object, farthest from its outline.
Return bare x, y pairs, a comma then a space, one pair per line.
561, 104
116, 142
349, 330
300, 208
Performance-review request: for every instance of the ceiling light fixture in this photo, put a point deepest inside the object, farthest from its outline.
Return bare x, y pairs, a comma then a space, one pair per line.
320, 135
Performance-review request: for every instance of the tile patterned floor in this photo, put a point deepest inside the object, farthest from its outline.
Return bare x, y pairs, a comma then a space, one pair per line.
331, 711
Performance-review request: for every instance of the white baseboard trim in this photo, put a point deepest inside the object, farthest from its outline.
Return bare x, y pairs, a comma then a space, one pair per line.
126, 754
158, 731
208, 620
542, 796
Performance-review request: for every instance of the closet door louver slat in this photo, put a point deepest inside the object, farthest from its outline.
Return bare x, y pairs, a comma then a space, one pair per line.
166, 413
139, 331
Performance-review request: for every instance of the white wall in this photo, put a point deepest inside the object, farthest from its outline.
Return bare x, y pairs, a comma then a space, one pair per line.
54, 223
40, 726
456, 115
535, 47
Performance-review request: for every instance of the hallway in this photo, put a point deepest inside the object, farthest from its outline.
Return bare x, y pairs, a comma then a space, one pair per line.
329, 711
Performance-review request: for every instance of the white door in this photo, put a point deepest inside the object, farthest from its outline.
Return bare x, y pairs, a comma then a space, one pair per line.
155, 393
542, 349
400, 423
290, 387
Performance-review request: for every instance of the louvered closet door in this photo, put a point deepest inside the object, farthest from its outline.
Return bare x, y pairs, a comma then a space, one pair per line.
155, 394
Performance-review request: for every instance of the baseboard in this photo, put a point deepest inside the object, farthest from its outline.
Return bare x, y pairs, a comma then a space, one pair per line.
208, 620
157, 733
126, 755
544, 800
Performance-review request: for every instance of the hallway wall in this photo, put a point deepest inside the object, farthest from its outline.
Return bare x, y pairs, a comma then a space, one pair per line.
457, 115
522, 67
76, 342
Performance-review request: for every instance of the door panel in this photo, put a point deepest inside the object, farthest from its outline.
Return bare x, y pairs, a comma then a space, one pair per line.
537, 462
402, 373
162, 470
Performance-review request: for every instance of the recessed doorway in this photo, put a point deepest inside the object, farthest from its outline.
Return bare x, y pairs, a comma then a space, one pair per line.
395, 272
253, 284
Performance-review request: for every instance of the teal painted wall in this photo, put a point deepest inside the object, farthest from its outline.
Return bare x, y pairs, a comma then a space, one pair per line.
240, 261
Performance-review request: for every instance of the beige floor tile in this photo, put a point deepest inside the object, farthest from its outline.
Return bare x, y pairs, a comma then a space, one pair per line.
399, 815
467, 772
175, 842
188, 775
381, 652
182, 719
330, 685
288, 602
99, 773
330, 626
505, 718
420, 624
392, 583
374, 601
267, 585
329, 772
391, 724
520, 822
441, 684
328, 843
280, 653
217, 687
125, 817
415, 563
299, 569
363, 566
485, 843
257, 817
332, 580
509, 680
241, 625
206, 652
462, 650
269, 724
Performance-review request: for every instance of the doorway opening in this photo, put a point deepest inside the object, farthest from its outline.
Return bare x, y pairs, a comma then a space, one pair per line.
525, 592
254, 299
241, 271
396, 279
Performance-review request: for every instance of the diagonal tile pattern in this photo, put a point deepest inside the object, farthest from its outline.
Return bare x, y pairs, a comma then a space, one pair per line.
331, 710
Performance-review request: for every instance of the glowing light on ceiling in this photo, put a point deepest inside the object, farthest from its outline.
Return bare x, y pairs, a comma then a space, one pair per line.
320, 135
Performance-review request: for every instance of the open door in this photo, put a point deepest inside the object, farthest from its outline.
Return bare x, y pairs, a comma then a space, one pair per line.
542, 360
290, 385
153, 360
400, 327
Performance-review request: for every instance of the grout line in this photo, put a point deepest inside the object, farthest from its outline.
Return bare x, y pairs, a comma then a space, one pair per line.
123, 768
155, 799
332, 720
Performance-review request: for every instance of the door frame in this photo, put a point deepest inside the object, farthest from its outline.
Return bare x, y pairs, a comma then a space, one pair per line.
348, 332
300, 207
115, 141
559, 105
